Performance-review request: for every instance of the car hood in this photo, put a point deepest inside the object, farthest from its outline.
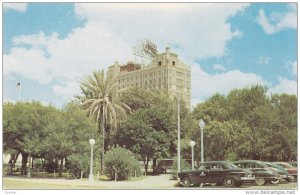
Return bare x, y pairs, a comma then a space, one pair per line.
190, 172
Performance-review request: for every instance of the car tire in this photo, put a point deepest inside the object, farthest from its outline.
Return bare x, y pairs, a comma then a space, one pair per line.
213, 184
260, 181
229, 182
292, 179
238, 184
186, 182
276, 181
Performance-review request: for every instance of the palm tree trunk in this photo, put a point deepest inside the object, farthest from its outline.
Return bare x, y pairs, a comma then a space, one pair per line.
103, 140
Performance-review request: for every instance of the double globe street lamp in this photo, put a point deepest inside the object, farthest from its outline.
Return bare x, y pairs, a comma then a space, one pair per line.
201, 125
192, 144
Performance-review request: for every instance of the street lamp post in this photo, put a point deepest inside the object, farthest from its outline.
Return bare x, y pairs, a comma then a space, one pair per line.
178, 133
91, 177
192, 144
201, 125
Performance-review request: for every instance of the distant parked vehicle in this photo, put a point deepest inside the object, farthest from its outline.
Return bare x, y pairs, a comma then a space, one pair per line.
284, 174
216, 173
291, 169
263, 173
163, 166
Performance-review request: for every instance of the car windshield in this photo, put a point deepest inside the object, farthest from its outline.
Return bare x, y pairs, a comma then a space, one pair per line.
287, 165
274, 165
231, 165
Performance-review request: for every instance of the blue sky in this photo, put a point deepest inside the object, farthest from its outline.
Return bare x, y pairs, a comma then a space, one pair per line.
50, 46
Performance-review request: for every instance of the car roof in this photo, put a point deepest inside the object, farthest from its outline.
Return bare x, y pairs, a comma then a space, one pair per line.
215, 161
240, 161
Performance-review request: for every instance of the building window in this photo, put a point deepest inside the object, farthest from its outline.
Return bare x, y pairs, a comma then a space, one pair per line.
173, 63
159, 63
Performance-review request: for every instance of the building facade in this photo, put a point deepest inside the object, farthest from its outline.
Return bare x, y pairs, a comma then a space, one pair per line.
165, 72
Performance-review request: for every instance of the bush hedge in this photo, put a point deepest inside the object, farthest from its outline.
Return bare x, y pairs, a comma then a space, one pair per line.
121, 162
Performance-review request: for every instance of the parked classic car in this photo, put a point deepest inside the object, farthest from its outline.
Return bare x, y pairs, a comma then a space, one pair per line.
284, 174
291, 169
263, 173
216, 173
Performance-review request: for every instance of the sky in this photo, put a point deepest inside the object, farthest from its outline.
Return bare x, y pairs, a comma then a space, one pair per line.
49, 47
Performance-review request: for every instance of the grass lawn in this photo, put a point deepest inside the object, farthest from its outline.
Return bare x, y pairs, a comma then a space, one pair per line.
25, 183
10, 184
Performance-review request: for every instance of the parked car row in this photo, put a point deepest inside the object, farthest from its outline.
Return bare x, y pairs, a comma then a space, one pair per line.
232, 174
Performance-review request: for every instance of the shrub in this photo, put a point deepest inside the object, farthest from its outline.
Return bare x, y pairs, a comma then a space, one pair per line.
77, 163
122, 162
103, 178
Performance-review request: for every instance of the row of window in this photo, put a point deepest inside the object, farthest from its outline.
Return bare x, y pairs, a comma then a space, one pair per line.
154, 75
158, 86
159, 63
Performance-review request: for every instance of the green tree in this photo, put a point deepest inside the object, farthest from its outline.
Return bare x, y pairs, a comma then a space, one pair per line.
215, 108
146, 138
24, 128
155, 112
263, 127
99, 99
69, 133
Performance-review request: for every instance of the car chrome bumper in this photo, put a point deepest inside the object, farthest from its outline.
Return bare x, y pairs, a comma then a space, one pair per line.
248, 178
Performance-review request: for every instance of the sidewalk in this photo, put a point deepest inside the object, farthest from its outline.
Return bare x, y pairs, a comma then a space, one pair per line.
152, 182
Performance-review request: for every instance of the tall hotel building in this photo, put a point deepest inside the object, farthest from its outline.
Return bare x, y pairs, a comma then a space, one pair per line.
165, 72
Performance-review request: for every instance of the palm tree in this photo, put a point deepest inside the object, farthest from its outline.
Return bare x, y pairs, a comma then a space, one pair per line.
100, 101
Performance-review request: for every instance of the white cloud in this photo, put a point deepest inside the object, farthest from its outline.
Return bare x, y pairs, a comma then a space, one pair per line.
263, 60
68, 89
20, 7
292, 67
219, 67
186, 26
110, 32
295, 68
278, 21
284, 86
205, 85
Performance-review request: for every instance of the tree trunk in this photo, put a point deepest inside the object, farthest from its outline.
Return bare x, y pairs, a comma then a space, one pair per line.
24, 163
146, 166
15, 160
29, 166
60, 167
103, 141
154, 162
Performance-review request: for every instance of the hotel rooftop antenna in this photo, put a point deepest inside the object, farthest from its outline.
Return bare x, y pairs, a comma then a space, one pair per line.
144, 51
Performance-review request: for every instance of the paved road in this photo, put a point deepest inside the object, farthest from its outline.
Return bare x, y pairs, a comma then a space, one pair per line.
151, 182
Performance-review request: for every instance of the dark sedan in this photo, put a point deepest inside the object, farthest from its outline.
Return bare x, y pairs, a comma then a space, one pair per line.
263, 173
216, 173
